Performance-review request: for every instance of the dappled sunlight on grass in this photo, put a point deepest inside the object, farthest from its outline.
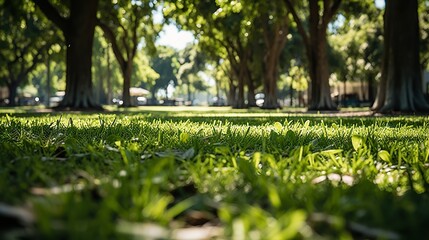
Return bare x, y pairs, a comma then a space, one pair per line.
261, 176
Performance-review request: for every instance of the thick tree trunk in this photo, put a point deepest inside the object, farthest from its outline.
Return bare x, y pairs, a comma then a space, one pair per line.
320, 89
79, 35
400, 89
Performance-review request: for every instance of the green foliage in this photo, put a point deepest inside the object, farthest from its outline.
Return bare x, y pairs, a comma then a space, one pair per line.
251, 175
25, 40
166, 65
424, 34
357, 46
236, 33
131, 22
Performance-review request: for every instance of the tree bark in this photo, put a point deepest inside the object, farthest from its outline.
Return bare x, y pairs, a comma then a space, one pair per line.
188, 89
232, 94
126, 96
400, 89
12, 88
101, 95
78, 30
125, 62
320, 98
251, 101
237, 72
48, 79
240, 95
238, 56
371, 90
109, 96
270, 82
275, 40
315, 42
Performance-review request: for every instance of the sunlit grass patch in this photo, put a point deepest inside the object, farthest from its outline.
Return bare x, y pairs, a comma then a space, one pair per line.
233, 175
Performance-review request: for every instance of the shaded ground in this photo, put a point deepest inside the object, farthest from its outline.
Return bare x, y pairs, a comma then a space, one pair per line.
175, 110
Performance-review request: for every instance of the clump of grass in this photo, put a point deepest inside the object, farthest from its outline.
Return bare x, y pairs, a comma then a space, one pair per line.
246, 176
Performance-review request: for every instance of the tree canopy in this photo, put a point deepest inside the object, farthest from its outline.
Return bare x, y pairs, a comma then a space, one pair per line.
286, 49
25, 40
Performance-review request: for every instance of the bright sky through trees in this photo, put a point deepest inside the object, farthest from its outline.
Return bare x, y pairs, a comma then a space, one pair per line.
379, 3
171, 36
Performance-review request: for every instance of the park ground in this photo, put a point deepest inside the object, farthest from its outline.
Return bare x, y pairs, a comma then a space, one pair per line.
213, 173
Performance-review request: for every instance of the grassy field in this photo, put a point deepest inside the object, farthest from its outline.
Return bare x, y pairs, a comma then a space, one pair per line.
212, 173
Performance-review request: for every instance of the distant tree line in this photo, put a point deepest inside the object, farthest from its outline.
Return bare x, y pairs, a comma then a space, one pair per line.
250, 46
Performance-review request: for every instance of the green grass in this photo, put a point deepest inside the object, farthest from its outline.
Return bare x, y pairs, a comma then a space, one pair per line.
228, 174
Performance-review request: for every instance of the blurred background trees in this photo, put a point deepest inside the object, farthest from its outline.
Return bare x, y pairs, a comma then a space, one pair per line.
283, 53
24, 44
128, 26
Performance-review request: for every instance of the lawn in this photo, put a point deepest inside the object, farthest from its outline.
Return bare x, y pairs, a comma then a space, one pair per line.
198, 173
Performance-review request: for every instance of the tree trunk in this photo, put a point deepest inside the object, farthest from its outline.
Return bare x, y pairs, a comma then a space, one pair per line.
400, 89
251, 101
275, 40
109, 79
239, 100
232, 94
48, 79
101, 96
362, 89
239, 103
78, 30
12, 88
270, 79
126, 62
320, 89
270, 86
189, 90
371, 90
79, 35
315, 42
127, 71
153, 100
271, 75
343, 98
